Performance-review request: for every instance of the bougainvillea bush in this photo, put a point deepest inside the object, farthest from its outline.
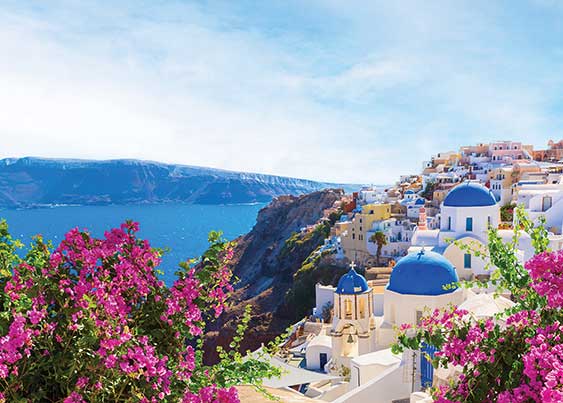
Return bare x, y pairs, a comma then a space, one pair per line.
90, 321
516, 356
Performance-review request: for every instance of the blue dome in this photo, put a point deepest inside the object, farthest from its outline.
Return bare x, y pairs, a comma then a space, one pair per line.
352, 283
423, 273
470, 194
419, 201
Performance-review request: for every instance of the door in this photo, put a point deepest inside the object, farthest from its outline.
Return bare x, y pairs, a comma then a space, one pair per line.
426, 368
323, 359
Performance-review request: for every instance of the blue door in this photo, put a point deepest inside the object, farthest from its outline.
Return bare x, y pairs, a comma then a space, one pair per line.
426, 368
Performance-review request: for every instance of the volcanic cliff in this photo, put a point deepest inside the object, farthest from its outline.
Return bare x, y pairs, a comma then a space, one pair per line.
266, 260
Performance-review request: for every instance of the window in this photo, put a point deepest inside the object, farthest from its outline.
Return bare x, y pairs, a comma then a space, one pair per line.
348, 308
467, 261
353, 236
489, 221
469, 224
449, 223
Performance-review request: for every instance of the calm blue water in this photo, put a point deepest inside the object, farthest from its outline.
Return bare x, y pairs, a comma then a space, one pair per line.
182, 228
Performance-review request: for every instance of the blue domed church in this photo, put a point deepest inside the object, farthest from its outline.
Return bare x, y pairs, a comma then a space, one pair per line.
420, 282
353, 330
466, 214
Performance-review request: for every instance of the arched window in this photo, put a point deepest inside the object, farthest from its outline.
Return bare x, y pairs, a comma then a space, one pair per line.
362, 306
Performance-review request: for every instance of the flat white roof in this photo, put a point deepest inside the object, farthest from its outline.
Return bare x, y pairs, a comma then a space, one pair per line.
425, 237
381, 357
321, 340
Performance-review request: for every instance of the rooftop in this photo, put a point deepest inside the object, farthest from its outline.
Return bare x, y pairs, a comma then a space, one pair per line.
470, 194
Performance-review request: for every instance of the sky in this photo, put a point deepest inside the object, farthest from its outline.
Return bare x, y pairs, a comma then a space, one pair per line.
342, 91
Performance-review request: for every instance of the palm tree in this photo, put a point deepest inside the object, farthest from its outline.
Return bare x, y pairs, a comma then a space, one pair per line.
380, 239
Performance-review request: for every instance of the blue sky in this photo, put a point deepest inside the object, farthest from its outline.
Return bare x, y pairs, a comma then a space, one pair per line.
354, 91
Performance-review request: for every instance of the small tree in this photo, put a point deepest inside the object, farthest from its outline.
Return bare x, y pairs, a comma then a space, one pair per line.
326, 313
428, 192
380, 240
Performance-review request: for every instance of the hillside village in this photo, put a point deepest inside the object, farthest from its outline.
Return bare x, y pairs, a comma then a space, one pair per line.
405, 246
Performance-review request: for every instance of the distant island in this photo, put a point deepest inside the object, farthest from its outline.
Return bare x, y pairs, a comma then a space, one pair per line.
36, 182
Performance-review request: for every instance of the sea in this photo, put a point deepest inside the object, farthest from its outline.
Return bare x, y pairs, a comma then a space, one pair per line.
181, 228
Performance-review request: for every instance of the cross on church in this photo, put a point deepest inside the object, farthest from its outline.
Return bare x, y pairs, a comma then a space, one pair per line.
352, 266
421, 253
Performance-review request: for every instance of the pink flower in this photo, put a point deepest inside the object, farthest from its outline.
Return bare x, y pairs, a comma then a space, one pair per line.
74, 397
82, 382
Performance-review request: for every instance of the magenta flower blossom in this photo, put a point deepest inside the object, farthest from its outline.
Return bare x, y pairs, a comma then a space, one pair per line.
546, 271
96, 310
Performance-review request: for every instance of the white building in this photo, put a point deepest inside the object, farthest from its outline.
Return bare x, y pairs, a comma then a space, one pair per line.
318, 352
412, 202
466, 214
369, 196
543, 200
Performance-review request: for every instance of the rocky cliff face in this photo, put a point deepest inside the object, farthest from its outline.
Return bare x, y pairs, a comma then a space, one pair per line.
32, 182
265, 264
